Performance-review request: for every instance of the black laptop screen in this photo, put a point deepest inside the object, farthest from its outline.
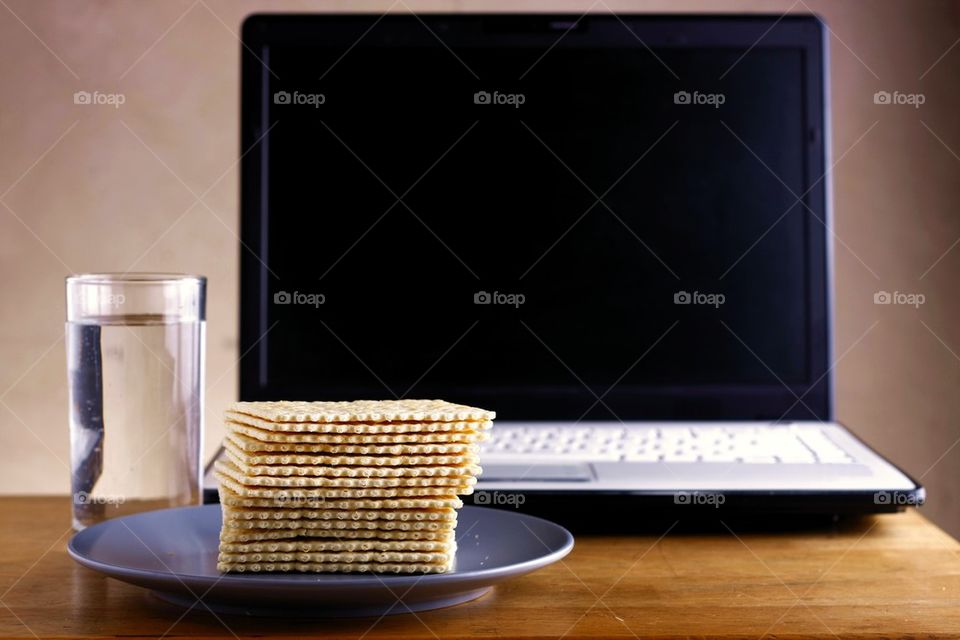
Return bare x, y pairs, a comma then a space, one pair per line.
531, 230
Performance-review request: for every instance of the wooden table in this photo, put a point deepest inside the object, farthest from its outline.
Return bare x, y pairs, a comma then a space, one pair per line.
884, 576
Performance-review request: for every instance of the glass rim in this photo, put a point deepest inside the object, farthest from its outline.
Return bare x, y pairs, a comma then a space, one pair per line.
134, 278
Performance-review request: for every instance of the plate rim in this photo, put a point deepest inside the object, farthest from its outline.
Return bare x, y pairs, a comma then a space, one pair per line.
359, 580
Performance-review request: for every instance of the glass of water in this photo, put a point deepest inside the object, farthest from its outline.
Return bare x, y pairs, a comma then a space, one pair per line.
135, 360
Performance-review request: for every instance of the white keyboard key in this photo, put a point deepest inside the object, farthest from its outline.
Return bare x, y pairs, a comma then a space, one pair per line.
759, 460
643, 456
529, 458
605, 456
834, 458
682, 456
724, 456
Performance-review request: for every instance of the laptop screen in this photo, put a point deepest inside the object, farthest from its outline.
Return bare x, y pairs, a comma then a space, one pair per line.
588, 231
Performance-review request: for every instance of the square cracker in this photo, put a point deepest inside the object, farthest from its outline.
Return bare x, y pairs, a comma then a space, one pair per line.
315, 460
356, 428
354, 515
252, 445
478, 432
363, 557
363, 411
230, 498
281, 494
460, 484
324, 567
338, 525
341, 535
316, 545
335, 471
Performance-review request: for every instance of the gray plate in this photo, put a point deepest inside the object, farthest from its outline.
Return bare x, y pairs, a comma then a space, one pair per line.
173, 552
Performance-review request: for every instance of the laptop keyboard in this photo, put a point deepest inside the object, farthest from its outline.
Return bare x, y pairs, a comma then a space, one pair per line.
762, 444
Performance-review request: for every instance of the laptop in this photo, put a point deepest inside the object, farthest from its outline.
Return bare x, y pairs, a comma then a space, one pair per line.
613, 230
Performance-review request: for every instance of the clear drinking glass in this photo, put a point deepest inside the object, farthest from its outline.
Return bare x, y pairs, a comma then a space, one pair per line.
135, 367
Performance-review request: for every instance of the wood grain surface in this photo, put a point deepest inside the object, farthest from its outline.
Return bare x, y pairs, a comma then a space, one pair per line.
878, 577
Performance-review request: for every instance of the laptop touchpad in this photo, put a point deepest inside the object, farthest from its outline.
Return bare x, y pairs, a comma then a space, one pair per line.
536, 473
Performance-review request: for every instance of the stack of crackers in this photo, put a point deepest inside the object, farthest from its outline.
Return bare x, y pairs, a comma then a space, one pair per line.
365, 486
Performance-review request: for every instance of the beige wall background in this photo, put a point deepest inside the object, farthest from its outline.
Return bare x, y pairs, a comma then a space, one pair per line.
152, 185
